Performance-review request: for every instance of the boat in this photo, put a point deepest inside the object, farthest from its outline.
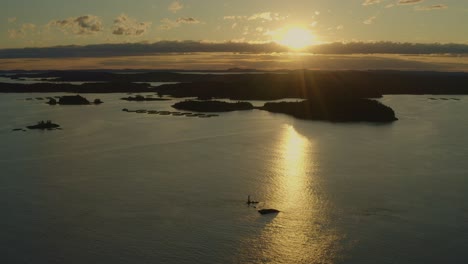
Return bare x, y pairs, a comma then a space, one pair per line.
249, 202
268, 211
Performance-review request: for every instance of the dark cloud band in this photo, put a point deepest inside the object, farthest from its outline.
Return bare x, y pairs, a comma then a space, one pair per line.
140, 49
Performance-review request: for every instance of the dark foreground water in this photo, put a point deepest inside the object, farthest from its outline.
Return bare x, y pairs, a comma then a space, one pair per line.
116, 187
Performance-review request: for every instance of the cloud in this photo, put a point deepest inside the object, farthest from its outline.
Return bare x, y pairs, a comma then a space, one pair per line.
387, 47
268, 16
22, 31
429, 8
235, 17
139, 49
187, 20
263, 16
409, 2
175, 7
370, 20
168, 24
371, 2
11, 20
82, 25
146, 49
124, 25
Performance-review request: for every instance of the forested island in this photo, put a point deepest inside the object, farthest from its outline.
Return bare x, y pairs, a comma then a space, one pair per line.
338, 110
342, 110
73, 100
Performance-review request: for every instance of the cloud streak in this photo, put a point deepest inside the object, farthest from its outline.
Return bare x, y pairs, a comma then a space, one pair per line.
371, 2
168, 24
144, 49
430, 8
409, 2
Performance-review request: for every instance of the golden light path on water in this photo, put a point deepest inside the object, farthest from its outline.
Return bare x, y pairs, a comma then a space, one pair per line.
300, 233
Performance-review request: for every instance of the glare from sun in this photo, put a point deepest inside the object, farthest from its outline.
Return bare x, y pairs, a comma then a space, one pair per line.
296, 38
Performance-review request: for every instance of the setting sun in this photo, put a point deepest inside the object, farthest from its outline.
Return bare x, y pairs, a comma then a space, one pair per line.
294, 37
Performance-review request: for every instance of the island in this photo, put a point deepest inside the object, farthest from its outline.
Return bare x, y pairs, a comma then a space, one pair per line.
48, 125
335, 110
212, 106
73, 100
332, 109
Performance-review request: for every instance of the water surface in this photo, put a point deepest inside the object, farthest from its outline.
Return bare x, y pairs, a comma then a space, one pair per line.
117, 187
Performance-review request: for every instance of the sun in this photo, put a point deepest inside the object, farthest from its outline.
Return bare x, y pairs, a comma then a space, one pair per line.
294, 37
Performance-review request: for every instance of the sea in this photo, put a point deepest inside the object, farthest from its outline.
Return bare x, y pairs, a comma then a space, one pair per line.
126, 187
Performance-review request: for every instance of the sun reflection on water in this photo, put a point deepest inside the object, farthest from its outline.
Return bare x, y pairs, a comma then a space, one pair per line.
300, 233
294, 166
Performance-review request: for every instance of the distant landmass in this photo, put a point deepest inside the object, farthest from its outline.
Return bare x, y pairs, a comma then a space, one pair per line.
250, 84
341, 96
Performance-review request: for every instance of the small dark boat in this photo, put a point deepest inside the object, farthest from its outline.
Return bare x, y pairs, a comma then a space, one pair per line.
268, 211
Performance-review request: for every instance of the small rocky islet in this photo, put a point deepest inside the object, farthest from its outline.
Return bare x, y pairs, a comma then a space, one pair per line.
41, 125
47, 125
169, 113
73, 100
141, 98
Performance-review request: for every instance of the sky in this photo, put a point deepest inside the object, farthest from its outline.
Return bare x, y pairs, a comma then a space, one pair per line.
28, 23
293, 23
